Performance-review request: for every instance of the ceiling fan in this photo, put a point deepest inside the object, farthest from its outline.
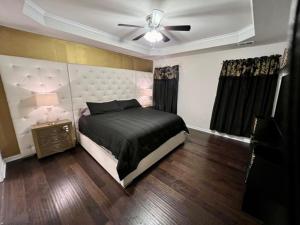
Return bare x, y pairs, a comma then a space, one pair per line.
154, 27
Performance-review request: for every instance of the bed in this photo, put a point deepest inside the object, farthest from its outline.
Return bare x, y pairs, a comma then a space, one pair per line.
126, 142
100, 84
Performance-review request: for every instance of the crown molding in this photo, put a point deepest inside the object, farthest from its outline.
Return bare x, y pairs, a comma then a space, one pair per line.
50, 20
226, 39
112, 42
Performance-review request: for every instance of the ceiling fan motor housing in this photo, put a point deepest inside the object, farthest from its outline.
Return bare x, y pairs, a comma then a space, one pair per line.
154, 18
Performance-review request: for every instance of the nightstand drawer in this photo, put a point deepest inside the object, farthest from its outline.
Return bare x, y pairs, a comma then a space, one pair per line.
54, 141
53, 131
53, 148
53, 138
46, 136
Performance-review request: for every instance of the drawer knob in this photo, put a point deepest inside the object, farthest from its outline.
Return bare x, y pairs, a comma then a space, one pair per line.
66, 128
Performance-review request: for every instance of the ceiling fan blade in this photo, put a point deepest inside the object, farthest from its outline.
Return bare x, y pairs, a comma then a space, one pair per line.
129, 25
139, 37
165, 37
178, 28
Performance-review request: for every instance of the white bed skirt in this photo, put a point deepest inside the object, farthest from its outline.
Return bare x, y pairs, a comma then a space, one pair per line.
105, 158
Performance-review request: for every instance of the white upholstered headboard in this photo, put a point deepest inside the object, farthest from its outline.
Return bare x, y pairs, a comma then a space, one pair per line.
144, 87
23, 78
99, 84
102, 84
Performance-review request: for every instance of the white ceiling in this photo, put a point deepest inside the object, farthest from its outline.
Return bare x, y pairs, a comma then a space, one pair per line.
214, 22
208, 18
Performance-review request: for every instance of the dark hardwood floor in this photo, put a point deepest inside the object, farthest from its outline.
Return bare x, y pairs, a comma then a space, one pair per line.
201, 182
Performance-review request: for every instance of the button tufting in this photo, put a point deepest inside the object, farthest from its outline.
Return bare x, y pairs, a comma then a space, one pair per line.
90, 84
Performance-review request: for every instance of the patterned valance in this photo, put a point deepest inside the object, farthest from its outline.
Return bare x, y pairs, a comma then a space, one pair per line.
251, 67
166, 73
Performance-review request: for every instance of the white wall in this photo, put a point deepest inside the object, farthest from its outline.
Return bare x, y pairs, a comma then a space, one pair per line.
198, 79
2, 168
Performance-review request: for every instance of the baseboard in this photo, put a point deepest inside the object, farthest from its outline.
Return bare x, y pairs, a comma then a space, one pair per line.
2, 170
233, 137
17, 157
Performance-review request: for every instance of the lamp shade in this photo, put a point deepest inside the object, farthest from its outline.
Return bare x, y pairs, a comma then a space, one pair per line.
48, 99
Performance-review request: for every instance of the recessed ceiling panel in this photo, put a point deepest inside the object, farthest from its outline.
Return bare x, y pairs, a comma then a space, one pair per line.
207, 18
213, 22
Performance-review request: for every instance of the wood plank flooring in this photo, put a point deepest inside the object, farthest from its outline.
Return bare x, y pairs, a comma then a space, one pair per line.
201, 182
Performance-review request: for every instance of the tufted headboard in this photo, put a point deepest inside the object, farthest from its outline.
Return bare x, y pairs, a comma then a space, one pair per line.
99, 84
102, 84
22, 79
144, 87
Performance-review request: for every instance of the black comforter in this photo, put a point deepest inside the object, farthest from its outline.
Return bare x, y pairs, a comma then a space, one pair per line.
131, 134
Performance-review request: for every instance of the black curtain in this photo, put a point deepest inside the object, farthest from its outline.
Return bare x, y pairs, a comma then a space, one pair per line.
246, 90
165, 88
292, 119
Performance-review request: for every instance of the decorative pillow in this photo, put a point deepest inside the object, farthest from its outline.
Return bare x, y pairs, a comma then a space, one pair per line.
126, 104
84, 112
105, 107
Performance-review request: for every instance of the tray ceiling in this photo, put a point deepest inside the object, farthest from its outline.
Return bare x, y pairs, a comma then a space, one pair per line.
214, 22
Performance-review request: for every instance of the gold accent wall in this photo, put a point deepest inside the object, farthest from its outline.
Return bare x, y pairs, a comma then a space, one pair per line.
24, 44
19, 43
8, 140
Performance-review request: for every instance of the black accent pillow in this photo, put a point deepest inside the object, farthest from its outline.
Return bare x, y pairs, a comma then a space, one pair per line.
127, 104
104, 107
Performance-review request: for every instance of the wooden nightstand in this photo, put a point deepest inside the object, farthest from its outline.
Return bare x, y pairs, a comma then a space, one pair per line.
53, 138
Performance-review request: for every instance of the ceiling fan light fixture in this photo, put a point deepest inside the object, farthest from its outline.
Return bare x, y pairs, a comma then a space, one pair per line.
154, 27
153, 36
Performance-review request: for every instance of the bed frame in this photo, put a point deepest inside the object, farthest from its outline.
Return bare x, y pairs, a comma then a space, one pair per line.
99, 84
105, 158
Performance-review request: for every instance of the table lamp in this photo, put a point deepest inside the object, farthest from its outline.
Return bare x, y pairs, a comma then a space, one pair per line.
47, 99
